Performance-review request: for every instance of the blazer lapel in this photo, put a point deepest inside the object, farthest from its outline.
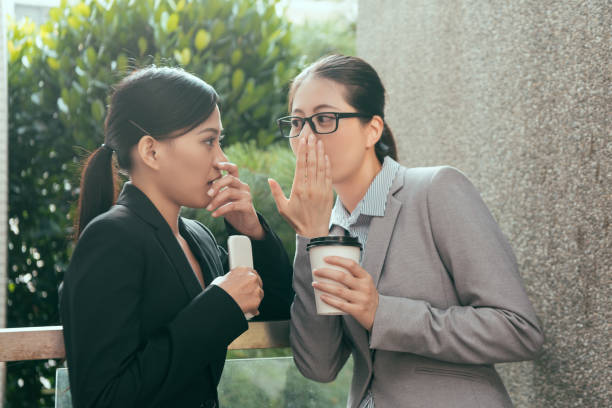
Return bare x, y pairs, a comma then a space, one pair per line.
140, 204
212, 266
179, 261
381, 229
379, 235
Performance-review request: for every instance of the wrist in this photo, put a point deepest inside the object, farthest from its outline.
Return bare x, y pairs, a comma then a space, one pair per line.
255, 232
258, 233
315, 233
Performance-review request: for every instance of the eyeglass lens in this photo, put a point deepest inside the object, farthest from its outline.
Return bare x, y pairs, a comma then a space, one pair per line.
323, 123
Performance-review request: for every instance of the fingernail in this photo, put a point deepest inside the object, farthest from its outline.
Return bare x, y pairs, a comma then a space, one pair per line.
209, 207
211, 192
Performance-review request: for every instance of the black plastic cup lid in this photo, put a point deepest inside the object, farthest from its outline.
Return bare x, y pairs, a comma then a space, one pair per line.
334, 240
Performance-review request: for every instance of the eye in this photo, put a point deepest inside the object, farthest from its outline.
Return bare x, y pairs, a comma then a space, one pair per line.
210, 141
325, 119
296, 122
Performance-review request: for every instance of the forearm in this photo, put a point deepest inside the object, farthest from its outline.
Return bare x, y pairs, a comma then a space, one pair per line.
458, 334
317, 341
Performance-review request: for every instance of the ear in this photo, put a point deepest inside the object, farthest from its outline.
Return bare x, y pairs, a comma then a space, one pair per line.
374, 130
147, 151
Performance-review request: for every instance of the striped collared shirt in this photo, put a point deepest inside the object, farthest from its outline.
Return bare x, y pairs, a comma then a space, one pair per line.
357, 223
373, 204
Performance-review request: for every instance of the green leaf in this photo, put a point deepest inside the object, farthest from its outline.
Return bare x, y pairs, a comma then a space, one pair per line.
55, 14
74, 22
218, 30
202, 39
82, 10
172, 23
236, 56
183, 57
217, 72
97, 110
186, 56
142, 45
237, 79
53, 63
122, 62
90, 56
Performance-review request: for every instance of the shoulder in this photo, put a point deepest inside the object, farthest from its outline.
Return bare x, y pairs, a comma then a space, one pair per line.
118, 222
431, 179
118, 230
111, 244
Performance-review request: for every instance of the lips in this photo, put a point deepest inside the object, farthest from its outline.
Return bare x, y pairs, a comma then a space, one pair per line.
213, 180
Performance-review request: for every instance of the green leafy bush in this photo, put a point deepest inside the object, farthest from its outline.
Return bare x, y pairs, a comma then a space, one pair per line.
317, 38
59, 78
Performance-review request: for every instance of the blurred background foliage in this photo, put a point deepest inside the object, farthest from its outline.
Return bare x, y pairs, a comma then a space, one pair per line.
60, 75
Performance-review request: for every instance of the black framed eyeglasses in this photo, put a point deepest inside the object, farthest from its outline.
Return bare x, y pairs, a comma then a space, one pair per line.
321, 123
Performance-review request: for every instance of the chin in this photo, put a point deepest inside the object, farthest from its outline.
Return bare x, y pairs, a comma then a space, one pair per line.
199, 202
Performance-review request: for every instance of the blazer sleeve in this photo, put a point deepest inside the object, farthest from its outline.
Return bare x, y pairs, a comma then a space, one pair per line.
271, 262
110, 365
317, 341
495, 321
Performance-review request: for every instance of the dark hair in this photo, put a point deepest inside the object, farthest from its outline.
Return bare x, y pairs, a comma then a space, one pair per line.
161, 102
364, 91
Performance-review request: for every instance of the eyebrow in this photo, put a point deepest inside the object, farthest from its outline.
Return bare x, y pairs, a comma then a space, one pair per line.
316, 108
214, 130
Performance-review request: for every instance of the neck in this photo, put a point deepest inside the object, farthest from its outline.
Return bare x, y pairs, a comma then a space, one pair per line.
168, 209
354, 188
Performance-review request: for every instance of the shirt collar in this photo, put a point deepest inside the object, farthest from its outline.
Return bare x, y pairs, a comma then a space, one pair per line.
374, 202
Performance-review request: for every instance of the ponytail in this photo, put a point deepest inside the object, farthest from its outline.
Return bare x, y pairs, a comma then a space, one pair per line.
386, 145
161, 100
98, 190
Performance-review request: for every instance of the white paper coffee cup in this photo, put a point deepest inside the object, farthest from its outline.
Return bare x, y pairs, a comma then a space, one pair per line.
319, 249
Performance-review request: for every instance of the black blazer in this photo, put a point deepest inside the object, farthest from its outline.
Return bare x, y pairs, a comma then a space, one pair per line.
138, 328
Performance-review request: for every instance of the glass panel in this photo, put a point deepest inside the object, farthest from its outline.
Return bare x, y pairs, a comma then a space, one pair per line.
277, 383
63, 399
257, 383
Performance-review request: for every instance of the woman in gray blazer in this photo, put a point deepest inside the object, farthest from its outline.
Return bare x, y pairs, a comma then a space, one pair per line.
437, 299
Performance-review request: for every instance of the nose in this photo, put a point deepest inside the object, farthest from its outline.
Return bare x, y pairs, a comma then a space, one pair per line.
220, 155
306, 130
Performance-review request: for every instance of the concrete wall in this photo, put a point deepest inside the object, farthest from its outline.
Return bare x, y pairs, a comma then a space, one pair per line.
3, 180
517, 95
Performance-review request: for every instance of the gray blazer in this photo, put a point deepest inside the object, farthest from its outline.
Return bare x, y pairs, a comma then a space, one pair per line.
451, 305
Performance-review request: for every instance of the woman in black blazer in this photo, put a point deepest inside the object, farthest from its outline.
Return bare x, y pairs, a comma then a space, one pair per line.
148, 305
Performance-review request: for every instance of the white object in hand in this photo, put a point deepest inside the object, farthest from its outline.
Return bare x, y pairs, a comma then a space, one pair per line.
319, 249
240, 254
